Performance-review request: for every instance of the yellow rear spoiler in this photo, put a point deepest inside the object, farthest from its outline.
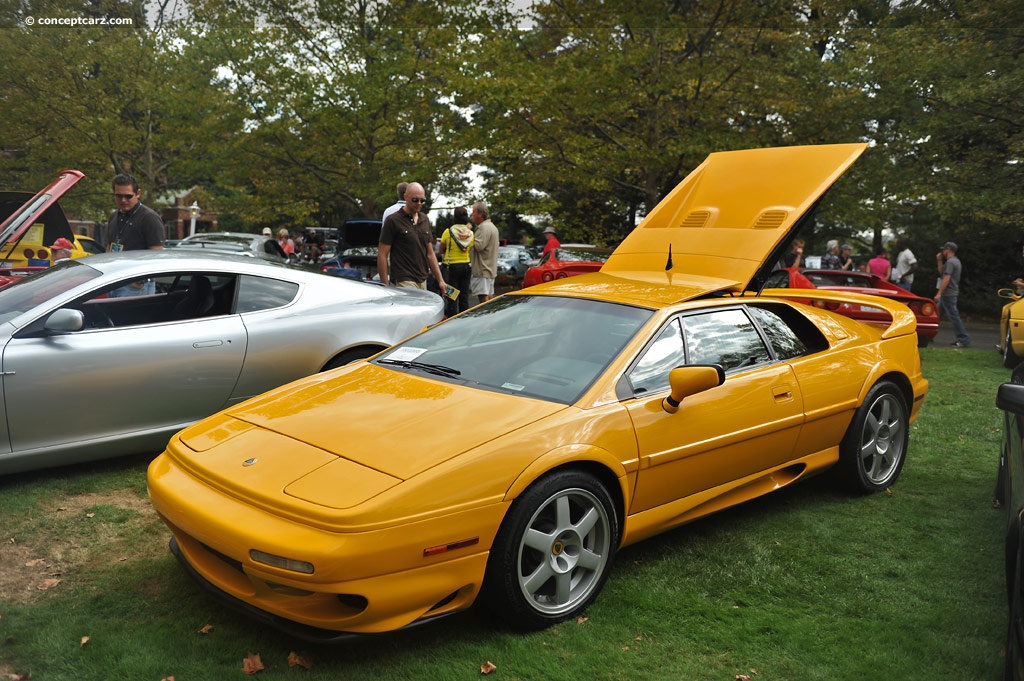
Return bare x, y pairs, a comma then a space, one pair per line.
903, 320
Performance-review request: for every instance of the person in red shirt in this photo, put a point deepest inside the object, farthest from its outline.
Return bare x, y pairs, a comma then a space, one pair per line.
552, 243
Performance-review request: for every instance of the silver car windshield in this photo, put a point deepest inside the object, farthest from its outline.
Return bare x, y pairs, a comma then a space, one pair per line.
538, 346
36, 289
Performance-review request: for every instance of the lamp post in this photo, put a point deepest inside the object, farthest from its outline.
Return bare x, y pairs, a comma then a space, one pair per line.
193, 211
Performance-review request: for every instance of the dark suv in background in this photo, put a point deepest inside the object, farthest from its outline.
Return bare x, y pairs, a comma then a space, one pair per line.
357, 250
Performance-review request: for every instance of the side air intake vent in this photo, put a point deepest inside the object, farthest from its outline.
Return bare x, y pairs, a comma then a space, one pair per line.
697, 218
770, 219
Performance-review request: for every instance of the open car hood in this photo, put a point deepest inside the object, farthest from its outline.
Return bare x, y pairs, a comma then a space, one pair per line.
730, 218
20, 211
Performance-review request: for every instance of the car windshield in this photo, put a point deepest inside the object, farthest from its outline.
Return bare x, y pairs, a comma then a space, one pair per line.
36, 289
545, 347
584, 254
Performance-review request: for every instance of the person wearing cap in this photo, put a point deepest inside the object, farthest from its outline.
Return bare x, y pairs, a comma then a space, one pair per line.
61, 250
949, 289
552, 243
846, 257
267, 232
484, 258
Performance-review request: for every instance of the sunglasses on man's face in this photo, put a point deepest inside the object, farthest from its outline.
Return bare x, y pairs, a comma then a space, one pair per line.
418, 200
123, 197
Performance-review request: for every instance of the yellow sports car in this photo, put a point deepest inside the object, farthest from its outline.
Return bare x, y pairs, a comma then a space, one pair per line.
1011, 328
507, 454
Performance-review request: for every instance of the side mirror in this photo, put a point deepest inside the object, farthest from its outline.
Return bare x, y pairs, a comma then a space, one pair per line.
690, 380
64, 320
1008, 293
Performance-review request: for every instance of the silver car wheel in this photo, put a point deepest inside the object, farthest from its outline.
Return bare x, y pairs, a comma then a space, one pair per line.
883, 439
564, 551
553, 551
875, 446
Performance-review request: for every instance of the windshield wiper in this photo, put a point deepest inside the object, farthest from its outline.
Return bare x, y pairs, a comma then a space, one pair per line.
438, 369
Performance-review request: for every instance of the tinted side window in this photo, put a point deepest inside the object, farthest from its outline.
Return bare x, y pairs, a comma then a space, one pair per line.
725, 337
789, 332
260, 293
783, 339
777, 279
650, 374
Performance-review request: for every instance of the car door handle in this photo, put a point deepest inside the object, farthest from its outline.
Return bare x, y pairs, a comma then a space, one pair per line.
207, 344
782, 393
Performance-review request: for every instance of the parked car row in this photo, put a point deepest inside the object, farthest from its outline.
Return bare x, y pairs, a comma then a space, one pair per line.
637, 389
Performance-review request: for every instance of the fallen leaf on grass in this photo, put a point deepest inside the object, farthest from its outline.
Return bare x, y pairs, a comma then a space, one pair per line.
302, 659
35, 561
488, 667
252, 664
206, 629
581, 620
85, 639
47, 584
167, 678
16, 677
90, 515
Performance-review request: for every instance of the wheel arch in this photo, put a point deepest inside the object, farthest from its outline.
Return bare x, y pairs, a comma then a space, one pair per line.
352, 354
900, 380
599, 463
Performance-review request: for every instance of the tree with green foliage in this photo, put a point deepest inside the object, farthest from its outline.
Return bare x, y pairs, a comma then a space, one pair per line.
104, 99
344, 99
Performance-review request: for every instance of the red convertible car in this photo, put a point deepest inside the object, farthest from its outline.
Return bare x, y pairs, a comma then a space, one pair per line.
567, 260
924, 309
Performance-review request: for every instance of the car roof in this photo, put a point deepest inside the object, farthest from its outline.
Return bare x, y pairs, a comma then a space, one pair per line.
127, 263
726, 223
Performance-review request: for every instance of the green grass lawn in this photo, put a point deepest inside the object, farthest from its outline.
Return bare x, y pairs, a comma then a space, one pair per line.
808, 583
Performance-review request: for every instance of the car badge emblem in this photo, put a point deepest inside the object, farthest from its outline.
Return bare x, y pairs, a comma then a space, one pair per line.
250, 462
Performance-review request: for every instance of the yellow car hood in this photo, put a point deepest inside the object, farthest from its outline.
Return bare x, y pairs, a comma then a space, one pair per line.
728, 217
397, 424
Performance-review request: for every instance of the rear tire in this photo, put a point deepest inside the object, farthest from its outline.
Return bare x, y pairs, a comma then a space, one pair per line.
874, 448
1010, 358
553, 552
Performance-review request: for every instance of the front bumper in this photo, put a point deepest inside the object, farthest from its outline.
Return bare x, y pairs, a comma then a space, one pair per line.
368, 581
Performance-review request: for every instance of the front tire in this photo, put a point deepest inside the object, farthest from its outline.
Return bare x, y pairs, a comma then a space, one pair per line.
874, 448
553, 552
349, 356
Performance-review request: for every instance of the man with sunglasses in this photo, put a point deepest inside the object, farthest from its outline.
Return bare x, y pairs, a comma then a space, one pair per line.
407, 243
133, 226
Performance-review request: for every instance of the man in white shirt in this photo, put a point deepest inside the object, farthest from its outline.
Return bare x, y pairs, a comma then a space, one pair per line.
906, 264
399, 204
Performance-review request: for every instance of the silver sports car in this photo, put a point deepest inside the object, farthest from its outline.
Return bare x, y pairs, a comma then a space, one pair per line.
114, 353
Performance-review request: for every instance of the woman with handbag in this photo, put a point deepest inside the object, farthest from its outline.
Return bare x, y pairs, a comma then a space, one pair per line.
456, 243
